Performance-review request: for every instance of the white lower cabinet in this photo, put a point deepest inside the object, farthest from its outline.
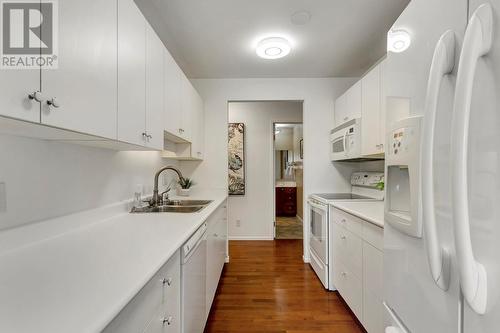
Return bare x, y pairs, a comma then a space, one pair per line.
157, 308
216, 251
156, 305
358, 267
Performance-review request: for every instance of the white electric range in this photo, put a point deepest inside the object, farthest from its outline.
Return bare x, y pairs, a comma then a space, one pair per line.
364, 188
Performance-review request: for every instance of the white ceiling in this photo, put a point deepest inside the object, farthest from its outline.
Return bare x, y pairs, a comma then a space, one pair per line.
216, 38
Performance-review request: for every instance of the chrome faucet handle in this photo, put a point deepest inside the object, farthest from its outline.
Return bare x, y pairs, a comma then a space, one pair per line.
164, 195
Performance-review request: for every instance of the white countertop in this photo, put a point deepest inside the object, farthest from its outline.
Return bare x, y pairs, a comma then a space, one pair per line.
370, 211
286, 183
79, 280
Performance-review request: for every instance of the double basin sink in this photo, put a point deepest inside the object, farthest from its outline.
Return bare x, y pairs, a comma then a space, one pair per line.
174, 206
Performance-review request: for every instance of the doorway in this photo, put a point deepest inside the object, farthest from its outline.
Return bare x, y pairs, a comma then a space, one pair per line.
288, 175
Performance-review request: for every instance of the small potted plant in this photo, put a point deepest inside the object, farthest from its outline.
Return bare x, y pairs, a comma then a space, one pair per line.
185, 186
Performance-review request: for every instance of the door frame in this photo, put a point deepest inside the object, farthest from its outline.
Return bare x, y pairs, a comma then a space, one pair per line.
273, 166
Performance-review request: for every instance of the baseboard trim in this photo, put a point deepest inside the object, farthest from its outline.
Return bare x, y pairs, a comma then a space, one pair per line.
250, 238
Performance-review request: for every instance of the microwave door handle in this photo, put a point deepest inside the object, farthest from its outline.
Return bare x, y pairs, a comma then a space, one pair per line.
477, 43
443, 62
344, 141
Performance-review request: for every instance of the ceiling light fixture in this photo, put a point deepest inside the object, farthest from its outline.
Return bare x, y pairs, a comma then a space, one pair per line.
398, 41
273, 48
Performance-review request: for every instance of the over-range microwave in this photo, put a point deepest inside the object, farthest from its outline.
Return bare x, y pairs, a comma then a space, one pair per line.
345, 141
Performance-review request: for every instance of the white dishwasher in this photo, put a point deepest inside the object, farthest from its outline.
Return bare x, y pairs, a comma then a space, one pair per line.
194, 268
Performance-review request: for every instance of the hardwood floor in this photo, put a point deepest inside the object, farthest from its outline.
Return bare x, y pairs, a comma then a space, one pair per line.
267, 288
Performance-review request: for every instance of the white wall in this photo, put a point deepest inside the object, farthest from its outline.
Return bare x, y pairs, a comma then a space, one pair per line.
254, 210
318, 96
47, 179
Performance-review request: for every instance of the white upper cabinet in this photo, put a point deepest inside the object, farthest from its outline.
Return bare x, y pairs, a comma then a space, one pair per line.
84, 86
348, 106
16, 86
340, 110
172, 95
17, 93
366, 100
371, 119
131, 73
115, 83
188, 96
198, 119
154, 90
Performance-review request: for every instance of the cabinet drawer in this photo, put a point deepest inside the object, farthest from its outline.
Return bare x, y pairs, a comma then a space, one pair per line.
152, 298
348, 221
373, 235
348, 248
164, 322
350, 288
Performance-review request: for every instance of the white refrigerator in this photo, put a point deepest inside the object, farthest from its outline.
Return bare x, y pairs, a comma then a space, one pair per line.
442, 231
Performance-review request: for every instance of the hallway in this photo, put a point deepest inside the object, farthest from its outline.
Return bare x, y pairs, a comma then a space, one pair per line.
288, 227
267, 288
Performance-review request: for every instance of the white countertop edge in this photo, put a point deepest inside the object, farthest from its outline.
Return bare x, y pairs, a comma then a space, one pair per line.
365, 217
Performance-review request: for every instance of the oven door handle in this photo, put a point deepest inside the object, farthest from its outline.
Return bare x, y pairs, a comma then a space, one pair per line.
315, 205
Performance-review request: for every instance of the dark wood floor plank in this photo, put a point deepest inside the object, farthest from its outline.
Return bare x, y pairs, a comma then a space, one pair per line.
267, 288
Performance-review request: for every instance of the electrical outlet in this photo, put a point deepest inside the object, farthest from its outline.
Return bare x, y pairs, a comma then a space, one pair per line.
3, 197
238, 223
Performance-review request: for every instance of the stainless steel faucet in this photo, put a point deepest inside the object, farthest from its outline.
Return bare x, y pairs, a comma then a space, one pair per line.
156, 198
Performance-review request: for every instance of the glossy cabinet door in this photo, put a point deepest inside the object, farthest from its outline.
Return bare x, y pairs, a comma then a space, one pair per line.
353, 96
84, 85
216, 251
340, 111
188, 96
198, 121
15, 88
154, 89
370, 112
172, 95
131, 73
348, 105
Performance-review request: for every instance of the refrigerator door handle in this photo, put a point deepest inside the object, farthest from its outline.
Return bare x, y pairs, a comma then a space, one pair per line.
477, 43
443, 62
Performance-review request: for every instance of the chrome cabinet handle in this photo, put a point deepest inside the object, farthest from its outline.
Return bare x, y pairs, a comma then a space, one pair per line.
343, 274
53, 102
345, 118
167, 320
36, 96
343, 221
167, 281
343, 237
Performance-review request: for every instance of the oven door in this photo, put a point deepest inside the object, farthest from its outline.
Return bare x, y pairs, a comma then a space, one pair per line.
318, 226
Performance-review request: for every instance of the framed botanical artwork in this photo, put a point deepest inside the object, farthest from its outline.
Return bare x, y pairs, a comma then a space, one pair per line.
236, 158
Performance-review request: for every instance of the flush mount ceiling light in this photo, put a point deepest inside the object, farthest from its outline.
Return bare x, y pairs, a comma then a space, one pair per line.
273, 48
398, 41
